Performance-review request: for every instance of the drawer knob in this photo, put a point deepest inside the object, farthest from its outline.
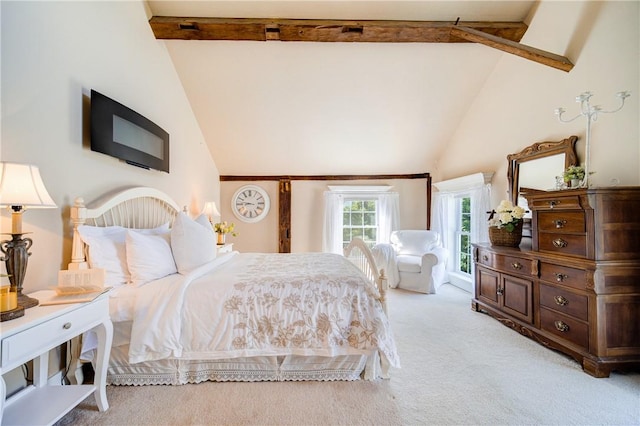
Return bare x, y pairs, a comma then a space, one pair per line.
516, 265
561, 326
67, 325
500, 291
560, 300
559, 243
560, 277
553, 203
485, 258
560, 223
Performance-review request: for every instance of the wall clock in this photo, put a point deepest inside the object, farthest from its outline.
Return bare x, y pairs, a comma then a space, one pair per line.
250, 203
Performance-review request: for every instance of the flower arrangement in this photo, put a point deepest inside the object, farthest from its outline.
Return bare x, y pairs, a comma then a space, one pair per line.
573, 172
225, 228
506, 216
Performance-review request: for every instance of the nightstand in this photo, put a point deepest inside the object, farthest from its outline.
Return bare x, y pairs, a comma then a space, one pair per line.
224, 248
31, 337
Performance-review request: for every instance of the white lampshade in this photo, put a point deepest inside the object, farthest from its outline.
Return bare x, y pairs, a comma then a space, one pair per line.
210, 210
21, 186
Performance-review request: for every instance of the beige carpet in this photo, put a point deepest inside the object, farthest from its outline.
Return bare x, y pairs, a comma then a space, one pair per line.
459, 367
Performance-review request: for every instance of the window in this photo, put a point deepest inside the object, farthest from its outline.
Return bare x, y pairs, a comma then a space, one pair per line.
370, 212
359, 219
463, 235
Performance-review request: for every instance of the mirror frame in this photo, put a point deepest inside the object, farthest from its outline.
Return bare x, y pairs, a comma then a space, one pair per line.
533, 152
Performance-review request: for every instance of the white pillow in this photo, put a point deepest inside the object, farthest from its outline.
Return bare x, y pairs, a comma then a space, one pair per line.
149, 257
204, 221
192, 243
106, 250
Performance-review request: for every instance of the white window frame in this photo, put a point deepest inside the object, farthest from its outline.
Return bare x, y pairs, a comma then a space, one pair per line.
478, 187
459, 233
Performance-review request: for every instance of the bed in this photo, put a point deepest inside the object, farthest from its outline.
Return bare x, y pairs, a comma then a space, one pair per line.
183, 314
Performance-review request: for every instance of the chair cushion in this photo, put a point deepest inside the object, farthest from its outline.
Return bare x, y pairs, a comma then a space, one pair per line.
408, 263
416, 242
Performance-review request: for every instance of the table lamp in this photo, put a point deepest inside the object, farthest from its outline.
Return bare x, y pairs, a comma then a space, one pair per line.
21, 188
210, 210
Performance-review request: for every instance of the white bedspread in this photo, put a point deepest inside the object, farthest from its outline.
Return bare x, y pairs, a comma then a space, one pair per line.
247, 304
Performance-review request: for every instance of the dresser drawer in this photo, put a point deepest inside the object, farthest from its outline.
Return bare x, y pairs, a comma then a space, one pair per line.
561, 221
49, 334
566, 302
571, 202
564, 326
485, 257
513, 265
567, 244
564, 275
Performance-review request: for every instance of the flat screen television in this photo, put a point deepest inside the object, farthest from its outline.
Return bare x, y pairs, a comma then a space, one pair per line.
120, 132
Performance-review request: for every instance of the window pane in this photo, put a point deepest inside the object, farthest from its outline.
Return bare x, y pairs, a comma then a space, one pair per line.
463, 236
465, 263
369, 219
465, 247
359, 220
370, 234
466, 205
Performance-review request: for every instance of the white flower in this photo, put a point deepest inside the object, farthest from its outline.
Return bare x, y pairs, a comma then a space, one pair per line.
504, 206
506, 215
518, 212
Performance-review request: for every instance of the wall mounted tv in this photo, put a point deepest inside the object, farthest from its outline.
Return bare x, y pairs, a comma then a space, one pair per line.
120, 132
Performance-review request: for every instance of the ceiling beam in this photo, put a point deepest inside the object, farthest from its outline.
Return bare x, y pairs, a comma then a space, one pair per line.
499, 35
527, 52
323, 30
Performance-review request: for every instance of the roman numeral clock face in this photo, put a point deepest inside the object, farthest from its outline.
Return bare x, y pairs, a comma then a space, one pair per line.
250, 203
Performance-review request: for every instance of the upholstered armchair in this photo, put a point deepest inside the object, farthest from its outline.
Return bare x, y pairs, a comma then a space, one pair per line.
414, 260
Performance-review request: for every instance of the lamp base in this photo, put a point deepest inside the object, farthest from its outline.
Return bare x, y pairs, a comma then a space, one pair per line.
26, 301
12, 314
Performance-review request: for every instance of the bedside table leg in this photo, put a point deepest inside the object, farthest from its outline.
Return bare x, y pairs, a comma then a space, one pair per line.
40, 370
105, 336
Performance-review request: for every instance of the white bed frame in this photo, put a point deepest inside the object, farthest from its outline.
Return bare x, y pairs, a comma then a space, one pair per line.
143, 208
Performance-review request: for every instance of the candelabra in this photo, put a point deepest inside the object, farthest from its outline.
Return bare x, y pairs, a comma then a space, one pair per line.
591, 113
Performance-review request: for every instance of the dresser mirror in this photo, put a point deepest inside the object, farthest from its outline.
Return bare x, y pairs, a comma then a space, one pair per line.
535, 169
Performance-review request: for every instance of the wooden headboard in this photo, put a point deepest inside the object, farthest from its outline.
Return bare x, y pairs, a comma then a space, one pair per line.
139, 208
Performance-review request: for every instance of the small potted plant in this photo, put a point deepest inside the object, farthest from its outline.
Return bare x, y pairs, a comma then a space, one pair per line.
224, 228
574, 175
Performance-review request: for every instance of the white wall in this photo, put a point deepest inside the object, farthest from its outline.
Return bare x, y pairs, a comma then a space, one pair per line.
516, 106
53, 54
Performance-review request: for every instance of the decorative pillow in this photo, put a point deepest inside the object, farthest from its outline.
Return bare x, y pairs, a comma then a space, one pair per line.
204, 221
149, 257
192, 243
106, 250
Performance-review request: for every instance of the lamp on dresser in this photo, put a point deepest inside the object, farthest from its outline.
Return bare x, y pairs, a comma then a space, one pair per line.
21, 188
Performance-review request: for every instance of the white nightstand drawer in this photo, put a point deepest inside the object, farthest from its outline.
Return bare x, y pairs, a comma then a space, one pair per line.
47, 335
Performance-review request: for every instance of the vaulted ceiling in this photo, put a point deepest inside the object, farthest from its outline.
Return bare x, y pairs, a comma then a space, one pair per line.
297, 107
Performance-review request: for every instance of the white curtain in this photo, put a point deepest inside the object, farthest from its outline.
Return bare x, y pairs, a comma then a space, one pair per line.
332, 235
445, 219
388, 216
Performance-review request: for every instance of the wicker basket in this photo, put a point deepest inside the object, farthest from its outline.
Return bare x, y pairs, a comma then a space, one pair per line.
502, 237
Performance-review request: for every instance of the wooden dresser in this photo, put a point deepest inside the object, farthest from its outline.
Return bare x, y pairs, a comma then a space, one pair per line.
575, 285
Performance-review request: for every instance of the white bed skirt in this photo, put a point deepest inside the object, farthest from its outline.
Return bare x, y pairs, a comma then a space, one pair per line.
255, 369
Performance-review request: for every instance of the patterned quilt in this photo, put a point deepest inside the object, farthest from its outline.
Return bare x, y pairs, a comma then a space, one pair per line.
262, 304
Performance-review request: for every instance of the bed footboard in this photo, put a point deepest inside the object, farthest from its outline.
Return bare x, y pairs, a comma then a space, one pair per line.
360, 255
